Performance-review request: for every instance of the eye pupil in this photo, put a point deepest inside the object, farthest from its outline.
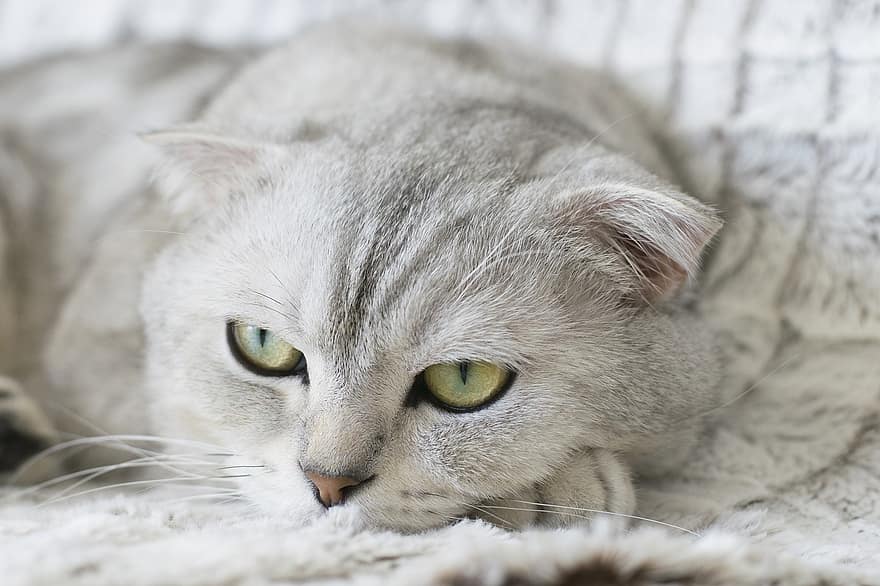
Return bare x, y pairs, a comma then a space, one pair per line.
463, 371
263, 333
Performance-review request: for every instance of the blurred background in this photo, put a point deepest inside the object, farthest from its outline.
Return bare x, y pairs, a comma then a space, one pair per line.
29, 27
775, 101
786, 49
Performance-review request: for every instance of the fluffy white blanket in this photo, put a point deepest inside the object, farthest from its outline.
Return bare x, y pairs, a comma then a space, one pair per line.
774, 106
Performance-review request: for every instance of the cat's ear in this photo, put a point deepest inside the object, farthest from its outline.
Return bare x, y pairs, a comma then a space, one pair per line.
200, 168
659, 234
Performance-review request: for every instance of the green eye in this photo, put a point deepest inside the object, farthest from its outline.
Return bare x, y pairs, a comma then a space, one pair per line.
264, 352
466, 385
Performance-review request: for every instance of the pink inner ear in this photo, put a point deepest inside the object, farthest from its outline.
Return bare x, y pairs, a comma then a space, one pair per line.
660, 276
660, 236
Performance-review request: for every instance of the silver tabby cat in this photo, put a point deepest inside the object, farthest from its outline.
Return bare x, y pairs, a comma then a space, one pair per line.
411, 278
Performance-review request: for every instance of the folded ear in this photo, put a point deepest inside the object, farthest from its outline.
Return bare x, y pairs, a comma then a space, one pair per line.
201, 168
658, 234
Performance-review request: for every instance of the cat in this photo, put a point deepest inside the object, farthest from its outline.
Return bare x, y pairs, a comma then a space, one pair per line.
409, 279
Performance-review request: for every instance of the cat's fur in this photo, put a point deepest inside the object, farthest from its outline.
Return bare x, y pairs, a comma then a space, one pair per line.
386, 202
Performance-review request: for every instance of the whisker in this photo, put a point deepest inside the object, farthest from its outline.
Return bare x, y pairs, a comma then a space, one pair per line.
232, 499
159, 439
91, 474
217, 495
150, 231
465, 283
73, 414
185, 483
493, 515
477, 508
116, 442
579, 153
187, 477
595, 511
148, 482
279, 281
266, 296
448, 517
738, 397
102, 472
284, 314
113, 233
102, 433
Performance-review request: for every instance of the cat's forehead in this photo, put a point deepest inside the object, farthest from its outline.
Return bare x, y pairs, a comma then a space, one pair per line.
396, 261
405, 272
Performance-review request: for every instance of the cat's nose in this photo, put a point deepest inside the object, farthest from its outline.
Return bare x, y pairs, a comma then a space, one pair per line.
330, 487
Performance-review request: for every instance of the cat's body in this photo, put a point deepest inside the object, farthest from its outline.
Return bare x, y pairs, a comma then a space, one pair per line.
383, 203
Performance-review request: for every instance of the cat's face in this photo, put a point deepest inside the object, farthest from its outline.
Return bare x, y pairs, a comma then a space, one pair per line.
445, 338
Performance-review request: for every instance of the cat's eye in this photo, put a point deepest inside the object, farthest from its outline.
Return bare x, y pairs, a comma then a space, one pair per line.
464, 386
264, 352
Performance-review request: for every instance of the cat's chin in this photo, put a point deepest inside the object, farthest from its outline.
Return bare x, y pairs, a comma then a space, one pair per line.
348, 517
351, 517
404, 516
514, 513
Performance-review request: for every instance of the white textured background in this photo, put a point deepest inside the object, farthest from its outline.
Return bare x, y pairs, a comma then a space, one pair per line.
784, 47
28, 26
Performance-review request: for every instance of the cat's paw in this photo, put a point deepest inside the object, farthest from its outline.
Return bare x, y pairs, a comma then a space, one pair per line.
24, 431
595, 481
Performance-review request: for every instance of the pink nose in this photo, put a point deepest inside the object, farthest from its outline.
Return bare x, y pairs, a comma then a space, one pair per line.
330, 487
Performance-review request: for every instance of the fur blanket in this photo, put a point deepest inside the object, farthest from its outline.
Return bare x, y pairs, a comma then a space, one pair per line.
773, 107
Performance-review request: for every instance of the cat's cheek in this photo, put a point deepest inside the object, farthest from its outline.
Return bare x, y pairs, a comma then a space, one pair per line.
405, 494
240, 412
494, 454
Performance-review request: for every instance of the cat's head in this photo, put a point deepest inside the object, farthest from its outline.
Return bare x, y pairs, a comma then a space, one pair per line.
441, 324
